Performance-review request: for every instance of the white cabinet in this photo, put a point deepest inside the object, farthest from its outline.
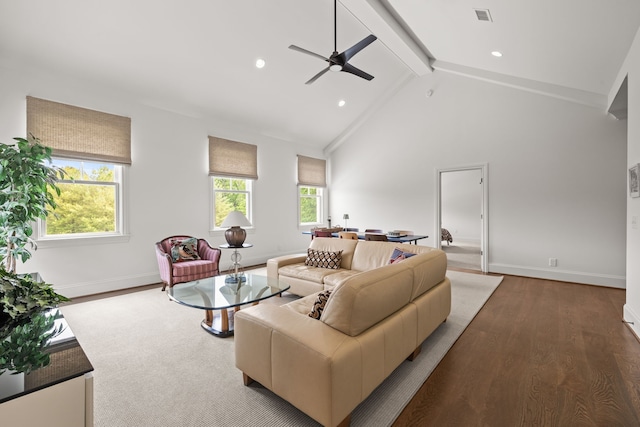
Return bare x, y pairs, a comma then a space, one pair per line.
66, 404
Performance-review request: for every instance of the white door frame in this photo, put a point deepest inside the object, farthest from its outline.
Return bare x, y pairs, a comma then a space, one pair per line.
484, 209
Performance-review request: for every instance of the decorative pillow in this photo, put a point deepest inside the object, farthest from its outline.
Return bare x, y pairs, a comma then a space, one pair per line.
399, 255
323, 259
184, 250
318, 306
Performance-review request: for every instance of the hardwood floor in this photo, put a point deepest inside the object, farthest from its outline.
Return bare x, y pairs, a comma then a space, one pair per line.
540, 353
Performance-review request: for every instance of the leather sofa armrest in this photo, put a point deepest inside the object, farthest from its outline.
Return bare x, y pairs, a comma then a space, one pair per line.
303, 360
273, 264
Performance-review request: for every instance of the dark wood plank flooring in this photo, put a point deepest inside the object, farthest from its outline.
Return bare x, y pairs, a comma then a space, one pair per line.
540, 353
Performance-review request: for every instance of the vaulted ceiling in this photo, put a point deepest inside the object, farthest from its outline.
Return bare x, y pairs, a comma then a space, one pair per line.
197, 57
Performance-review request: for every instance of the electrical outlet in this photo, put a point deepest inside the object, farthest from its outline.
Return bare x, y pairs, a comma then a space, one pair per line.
553, 262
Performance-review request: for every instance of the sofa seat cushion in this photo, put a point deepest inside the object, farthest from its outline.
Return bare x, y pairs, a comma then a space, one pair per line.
334, 280
193, 270
302, 305
307, 272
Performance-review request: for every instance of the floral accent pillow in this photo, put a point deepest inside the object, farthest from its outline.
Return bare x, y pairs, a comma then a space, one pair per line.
318, 306
323, 259
184, 250
399, 255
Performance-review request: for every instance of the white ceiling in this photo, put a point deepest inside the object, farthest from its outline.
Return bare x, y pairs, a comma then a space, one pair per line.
196, 57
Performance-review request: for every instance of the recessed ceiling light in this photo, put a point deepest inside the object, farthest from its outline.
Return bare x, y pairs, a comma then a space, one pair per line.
496, 54
341, 103
260, 63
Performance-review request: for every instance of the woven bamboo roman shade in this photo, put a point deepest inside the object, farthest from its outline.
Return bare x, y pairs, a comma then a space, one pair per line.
312, 172
79, 133
233, 159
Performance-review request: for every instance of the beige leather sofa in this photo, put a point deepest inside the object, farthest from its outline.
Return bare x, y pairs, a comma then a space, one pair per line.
373, 320
357, 256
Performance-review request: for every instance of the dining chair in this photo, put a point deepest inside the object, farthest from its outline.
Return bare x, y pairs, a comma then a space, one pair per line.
321, 233
348, 235
377, 237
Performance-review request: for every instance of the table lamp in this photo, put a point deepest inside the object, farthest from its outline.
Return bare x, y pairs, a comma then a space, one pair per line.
346, 218
235, 235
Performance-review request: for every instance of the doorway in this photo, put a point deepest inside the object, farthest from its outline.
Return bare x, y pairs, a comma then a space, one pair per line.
461, 216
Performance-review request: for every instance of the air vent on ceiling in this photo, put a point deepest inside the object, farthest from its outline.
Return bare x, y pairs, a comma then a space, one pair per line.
483, 15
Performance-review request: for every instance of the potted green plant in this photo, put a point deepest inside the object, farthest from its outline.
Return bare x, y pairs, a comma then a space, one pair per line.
26, 321
27, 180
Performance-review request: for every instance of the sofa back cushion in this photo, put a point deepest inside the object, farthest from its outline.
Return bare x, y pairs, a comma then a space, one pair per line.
330, 244
363, 300
428, 268
369, 254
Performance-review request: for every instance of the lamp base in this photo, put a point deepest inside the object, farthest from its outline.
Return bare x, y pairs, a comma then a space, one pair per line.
235, 236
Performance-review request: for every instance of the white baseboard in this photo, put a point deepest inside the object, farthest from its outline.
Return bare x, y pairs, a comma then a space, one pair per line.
632, 319
562, 275
108, 285
125, 282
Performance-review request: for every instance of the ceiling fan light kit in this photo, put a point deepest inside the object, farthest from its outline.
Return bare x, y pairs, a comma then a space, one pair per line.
340, 61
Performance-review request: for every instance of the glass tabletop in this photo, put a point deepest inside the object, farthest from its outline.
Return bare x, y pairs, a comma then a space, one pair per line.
221, 292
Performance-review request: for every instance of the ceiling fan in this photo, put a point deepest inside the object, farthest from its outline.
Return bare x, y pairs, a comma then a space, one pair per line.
340, 61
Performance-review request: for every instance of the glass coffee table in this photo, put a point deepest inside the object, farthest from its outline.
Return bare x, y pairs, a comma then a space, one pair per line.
216, 295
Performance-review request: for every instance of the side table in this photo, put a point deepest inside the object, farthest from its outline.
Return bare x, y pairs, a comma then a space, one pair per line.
238, 274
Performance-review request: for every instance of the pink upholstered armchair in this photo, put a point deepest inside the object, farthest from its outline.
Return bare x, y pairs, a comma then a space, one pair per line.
186, 258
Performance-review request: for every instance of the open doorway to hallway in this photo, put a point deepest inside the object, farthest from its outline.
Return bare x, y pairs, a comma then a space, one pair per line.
462, 207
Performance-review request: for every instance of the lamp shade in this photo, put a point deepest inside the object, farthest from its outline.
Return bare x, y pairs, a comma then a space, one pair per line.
235, 235
235, 219
345, 216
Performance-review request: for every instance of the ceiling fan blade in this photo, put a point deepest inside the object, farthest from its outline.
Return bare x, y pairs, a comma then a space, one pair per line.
350, 53
348, 68
314, 78
308, 52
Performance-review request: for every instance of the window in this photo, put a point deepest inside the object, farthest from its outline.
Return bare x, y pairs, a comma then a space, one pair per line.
312, 178
230, 194
233, 166
94, 149
90, 200
310, 205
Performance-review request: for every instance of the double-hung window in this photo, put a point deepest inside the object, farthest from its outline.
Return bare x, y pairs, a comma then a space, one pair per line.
233, 166
311, 206
90, 200
311, 183
230, 194
94, 151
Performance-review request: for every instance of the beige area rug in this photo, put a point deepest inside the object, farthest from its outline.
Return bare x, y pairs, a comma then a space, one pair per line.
155, 366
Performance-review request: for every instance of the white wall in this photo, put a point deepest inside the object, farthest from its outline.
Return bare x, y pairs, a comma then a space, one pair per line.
461, 204
632, 69
556, 174
557, 179
168, 186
